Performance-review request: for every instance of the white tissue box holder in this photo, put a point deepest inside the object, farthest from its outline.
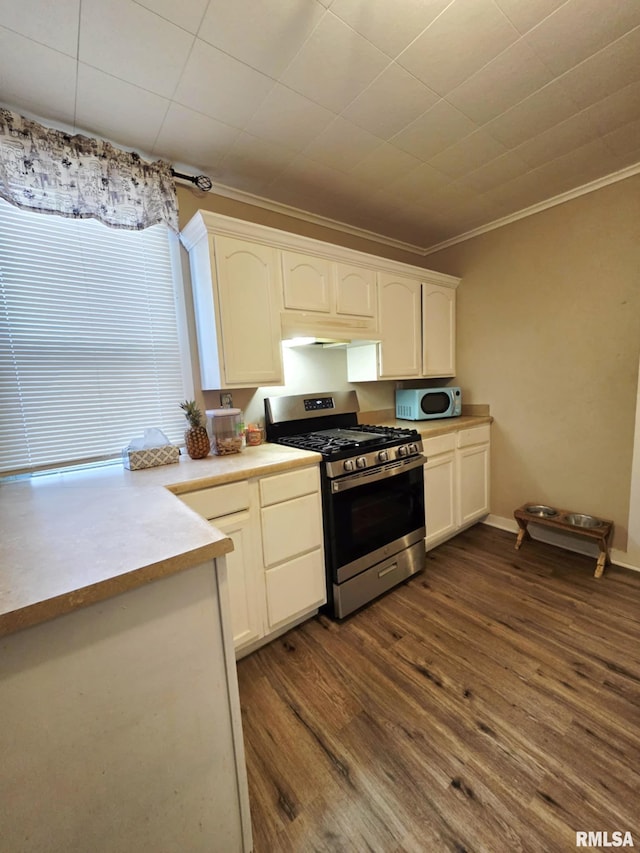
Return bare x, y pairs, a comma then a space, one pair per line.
150, 457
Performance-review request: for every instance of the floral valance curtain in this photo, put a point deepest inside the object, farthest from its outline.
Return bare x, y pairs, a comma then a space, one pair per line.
50, 171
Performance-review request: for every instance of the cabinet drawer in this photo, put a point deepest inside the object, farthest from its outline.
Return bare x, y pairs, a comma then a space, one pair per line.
219, 500
439, 444
294, 587
291, 528
292, 484
475, 435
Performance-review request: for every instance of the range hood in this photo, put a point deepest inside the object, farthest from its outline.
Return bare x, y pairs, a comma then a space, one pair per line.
317, 329
309, 341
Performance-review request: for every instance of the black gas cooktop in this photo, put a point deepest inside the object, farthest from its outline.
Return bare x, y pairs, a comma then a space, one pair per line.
341, 442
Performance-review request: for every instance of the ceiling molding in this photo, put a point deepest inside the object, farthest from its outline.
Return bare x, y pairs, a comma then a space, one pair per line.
343, 227
598, 184
313, 218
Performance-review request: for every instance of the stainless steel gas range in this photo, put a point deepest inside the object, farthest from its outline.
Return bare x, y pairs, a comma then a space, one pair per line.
372, 493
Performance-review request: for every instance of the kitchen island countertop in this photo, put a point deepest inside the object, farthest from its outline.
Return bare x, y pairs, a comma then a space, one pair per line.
71, 539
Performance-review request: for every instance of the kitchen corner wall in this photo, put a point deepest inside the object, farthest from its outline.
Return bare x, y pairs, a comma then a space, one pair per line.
548, 329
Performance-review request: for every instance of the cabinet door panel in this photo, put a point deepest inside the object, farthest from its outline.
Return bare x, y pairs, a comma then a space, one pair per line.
473, 483
295, 587
439, 494
355, 291
306, 282
243, 579
248, 287
291, 528
439, 330
400, 327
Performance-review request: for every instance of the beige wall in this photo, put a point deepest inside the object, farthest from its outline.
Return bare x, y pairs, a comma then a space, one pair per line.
549, 336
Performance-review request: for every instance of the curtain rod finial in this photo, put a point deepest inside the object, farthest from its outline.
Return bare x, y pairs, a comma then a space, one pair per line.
202, 182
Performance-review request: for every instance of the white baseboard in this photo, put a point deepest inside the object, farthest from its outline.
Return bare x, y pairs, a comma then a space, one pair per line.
508, 524
561, 540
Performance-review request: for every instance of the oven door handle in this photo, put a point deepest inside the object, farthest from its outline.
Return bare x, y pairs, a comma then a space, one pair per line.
382, 473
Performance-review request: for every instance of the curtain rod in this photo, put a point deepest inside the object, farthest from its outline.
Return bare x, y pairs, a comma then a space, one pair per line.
201, 181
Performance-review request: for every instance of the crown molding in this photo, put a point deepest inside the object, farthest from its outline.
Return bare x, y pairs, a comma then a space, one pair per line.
592, 186
313, 218
423, 251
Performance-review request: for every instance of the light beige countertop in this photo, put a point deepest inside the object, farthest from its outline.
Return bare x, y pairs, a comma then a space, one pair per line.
440, 426
72, 539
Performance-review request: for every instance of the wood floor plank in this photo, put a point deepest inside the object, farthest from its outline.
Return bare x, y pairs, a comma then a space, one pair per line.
490, 704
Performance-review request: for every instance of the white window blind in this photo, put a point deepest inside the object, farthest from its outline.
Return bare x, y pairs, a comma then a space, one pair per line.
89, 345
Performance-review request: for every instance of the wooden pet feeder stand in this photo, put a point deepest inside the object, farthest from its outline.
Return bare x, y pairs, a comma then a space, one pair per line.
588, 526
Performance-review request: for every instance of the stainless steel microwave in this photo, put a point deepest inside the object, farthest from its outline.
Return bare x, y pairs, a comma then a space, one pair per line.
422, 404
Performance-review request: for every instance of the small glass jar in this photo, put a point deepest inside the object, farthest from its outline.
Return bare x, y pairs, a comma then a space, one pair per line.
254, 435
226, 431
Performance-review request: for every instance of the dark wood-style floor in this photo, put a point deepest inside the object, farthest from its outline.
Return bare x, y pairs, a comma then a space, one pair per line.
489, 704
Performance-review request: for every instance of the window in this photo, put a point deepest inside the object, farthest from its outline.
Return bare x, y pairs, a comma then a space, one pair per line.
90, 339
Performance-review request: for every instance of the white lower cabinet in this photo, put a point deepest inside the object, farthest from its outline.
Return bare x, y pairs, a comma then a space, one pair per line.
276, 570
290, 528
473, 483
244, 585
456, 481
291, 520
294, 587
440, 488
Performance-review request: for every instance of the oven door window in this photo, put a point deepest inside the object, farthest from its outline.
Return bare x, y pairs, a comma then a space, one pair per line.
372, 515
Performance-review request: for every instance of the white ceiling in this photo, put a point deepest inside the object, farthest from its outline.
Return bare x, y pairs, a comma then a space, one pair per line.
418, 120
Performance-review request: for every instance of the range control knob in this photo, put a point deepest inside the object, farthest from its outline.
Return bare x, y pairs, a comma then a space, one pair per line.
413, 448
348, 465
403, 450
361, 462
383, 456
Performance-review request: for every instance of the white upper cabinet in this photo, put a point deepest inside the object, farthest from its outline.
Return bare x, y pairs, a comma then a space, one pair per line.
438, 330
400, 333
255, 286
355, 291
248, 284
417, 322
236, 291
325, 298
306, 282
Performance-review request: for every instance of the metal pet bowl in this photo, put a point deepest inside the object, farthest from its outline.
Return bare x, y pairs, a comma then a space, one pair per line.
541, 511
577, 519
